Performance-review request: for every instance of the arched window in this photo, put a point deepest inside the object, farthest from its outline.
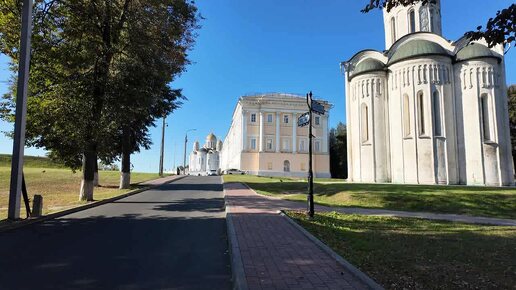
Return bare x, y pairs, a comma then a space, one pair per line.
421, 112
437, 114
365, 123
485, 117
286, 166
406, 116
393, 29
412, 21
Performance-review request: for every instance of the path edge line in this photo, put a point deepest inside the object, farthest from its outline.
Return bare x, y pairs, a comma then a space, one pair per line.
352, 269
237, 265
30, 221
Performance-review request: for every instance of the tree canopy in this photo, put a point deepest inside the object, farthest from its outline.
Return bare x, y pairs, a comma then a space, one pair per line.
96, 65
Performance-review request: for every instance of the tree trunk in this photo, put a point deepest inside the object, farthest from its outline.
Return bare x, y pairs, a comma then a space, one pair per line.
96, 175
89, 159
125, 174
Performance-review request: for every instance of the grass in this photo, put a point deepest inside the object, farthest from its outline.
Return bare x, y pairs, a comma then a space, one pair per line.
408, 253
477, 201
31, 161
60, 187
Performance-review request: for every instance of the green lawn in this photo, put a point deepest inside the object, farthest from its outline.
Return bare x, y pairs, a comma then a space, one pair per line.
60, 187
479, 201
408, 253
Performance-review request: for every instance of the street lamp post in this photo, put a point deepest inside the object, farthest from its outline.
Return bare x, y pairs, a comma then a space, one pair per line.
162, 151
21, 112
184, 156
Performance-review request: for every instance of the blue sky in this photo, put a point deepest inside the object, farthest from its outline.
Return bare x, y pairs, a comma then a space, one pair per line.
289, 46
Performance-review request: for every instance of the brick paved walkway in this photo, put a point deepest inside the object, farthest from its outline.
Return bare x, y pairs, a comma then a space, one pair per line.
276, 255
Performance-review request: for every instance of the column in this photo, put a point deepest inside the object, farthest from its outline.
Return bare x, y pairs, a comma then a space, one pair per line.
294, 132
244, 130
278, 119
260, 146
324, 141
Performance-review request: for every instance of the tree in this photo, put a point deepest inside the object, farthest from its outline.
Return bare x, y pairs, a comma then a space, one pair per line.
500, 29
338, 152
79, 48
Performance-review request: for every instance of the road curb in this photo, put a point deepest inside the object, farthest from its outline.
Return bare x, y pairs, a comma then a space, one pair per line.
352, 269
31, 221
237, 266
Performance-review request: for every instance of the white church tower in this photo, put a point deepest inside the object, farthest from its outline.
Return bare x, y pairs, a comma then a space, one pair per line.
426, 110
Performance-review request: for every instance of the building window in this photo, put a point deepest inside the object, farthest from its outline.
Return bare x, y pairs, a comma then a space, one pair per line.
485, 116
285, 119
253, 118
317, 146
317, 120
365, 123
286, 146
421, 113
253, 143
437, 115
269, 118
393, 29
302, 146
286, 166
269, 165
269, 144
412, 21
406, 116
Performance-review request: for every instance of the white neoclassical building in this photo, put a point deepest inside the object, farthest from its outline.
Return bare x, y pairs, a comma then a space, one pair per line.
264, 138
427, 110
207, 158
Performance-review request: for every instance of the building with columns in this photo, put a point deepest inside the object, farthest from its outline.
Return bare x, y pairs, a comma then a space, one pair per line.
264, 138
427, 110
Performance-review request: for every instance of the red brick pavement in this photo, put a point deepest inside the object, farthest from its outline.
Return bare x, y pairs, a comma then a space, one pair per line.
276, 255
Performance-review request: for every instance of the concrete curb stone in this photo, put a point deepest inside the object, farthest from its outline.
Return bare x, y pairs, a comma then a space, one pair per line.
352, 269
237, 265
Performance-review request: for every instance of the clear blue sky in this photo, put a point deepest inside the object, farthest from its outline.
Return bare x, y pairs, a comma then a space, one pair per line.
289, 46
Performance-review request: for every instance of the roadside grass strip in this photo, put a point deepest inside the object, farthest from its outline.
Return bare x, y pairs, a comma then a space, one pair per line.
60, 187
497, 202
410, 253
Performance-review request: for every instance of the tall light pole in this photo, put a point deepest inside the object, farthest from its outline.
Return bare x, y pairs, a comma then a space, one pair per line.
162, 151
184, 156
21, 112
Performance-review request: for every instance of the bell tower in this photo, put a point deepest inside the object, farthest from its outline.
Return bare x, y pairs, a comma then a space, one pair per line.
403, 20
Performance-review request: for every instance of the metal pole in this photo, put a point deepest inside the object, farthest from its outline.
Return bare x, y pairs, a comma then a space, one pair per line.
21, 112
310, 171
162, 147
184, 156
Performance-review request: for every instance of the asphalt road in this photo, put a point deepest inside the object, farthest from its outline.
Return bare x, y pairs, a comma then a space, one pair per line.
172, 237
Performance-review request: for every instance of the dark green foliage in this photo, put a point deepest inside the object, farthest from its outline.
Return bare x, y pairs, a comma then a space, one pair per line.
97, 67
338, 152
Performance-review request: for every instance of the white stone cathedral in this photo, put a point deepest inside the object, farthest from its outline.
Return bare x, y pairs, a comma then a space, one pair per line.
207, 158
427, 110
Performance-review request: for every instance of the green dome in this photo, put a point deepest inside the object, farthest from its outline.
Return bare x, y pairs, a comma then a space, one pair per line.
367, 65
474, 50
416, 47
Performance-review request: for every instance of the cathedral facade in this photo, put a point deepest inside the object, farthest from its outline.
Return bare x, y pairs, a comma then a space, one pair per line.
427, 110
207, 158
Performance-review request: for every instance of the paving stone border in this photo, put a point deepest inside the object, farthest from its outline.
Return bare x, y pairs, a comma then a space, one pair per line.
352, 269
9, 226
237, 266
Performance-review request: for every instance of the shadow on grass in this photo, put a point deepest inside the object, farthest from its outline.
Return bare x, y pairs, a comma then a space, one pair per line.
481, 201
417, 254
